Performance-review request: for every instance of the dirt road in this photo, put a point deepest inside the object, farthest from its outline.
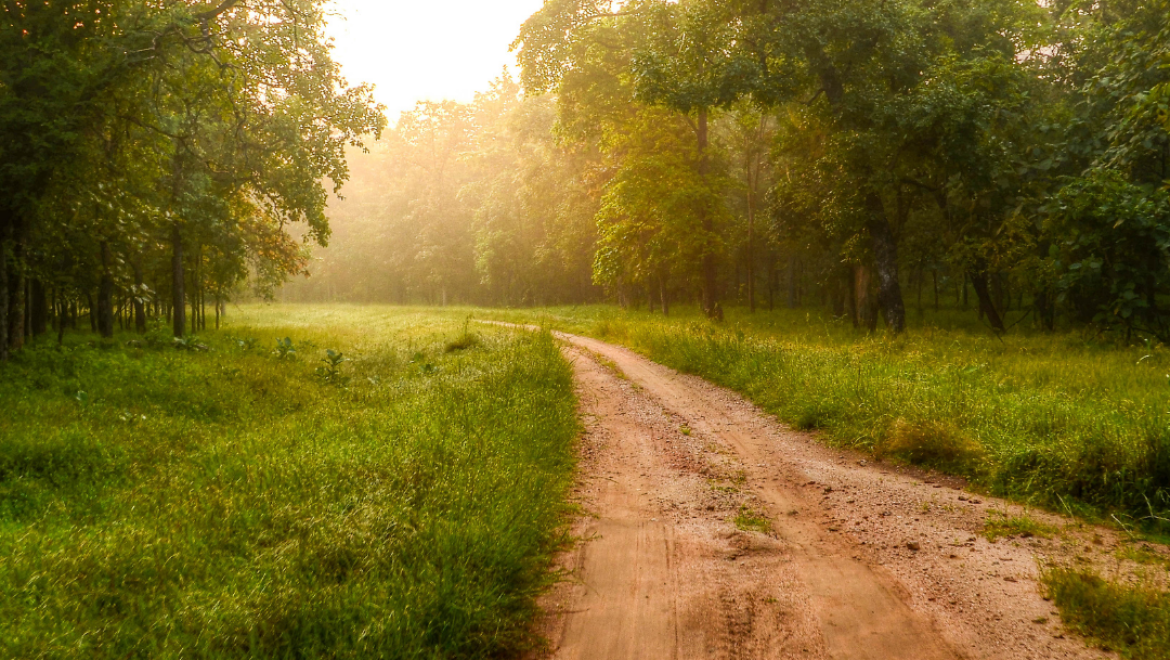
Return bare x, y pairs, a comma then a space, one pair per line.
714, 532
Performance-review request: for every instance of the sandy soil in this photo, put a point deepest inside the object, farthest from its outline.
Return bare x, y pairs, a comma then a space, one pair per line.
712, 531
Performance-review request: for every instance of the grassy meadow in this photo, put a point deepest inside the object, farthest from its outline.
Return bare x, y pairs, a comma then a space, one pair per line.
246, 497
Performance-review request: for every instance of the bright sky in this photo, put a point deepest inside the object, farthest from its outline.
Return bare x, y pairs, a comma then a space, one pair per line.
426, 49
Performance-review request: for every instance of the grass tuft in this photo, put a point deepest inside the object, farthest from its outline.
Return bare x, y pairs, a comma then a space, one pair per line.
934, 443
748, 520
999, 526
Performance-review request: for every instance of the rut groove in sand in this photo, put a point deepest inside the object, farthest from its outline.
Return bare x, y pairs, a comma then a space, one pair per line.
854, 566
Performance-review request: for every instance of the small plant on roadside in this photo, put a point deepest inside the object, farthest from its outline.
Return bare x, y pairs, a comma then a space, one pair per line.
748, 520
1000, 525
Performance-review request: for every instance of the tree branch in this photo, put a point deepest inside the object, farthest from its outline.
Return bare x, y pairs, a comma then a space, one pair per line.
214, 13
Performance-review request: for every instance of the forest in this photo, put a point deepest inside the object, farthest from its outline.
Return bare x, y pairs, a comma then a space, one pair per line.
155, 154
1008, 158
1008, 155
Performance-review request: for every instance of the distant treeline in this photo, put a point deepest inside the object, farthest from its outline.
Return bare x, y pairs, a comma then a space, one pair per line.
847, 153
155, 155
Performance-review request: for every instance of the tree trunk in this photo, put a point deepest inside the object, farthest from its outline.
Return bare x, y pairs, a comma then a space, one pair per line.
105, 310
16, 290
63, 312
885, 258
1046, 310
792, 281
38, 308
137, 301
178, 299
4, 241
710, 299
919, 276
663, 297
986, 306
934, 273
866, 310
93, 326
751, 251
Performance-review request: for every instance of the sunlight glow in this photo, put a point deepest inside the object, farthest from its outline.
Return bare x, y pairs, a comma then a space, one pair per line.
430, 50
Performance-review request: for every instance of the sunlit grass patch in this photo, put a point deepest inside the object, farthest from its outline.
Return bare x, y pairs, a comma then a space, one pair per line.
266, 498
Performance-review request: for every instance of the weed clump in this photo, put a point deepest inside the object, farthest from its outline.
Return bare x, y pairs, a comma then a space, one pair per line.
748, 520
1133, 619
932, 443
1004, 526
462, 342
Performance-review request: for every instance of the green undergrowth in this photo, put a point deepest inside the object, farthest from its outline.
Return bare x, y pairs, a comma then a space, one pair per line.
1133, 619
244, 496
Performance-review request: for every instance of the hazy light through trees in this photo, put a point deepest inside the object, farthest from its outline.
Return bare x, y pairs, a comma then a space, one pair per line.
435, 51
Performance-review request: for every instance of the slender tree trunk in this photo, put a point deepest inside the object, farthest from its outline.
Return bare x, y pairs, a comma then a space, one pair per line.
751, 251
137, 301
710, 298
28, 333
105, 303
772, 284
178, 297
792, 281
885, 258
1045, 310
93, 323
38, 308
5, 234
62, 312
919, 276
16, 304
986, 306
851, 301
934, 274
866, 309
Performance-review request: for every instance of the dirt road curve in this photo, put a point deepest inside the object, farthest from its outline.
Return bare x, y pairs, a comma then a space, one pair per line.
714, 532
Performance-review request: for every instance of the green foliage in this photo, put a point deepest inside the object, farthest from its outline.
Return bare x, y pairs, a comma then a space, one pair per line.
1115, 251
225, 504
285, 350
331, 372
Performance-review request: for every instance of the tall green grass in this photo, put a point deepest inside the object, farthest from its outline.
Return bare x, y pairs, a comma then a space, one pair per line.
228, 503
